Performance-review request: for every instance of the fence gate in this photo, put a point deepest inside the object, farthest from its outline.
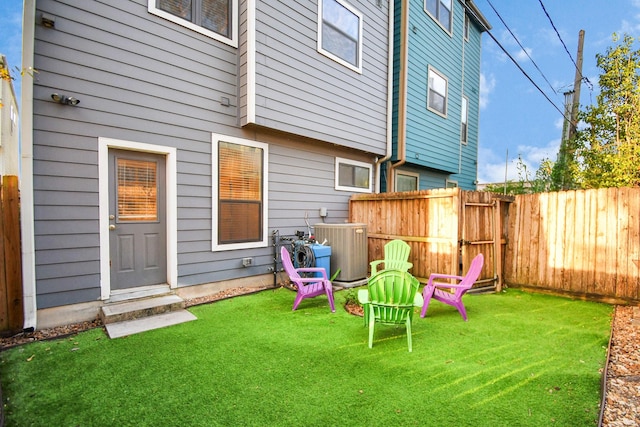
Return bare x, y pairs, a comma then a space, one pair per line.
480, 232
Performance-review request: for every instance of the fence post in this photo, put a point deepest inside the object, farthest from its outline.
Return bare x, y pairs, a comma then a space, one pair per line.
11, 307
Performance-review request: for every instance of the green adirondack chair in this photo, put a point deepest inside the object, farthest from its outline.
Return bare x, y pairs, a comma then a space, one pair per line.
396, 254
390, 299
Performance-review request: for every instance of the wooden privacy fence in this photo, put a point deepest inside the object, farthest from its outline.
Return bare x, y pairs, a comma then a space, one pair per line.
445, 228
11, 311
584, 242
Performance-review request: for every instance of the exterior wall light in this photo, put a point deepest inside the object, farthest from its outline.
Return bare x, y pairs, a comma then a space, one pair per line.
64, 99
48, 21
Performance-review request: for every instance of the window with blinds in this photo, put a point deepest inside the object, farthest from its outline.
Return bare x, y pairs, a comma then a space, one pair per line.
137, 190
240, 177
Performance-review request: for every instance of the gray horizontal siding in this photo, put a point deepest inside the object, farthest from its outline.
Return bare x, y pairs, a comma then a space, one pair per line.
141, 78
300, 90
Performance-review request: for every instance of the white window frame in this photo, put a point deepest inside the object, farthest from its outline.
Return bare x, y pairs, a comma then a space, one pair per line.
355, 163
215, 141
408, 174
355, 67
446, 91
439, 3
232, 41
448, 183
464, 120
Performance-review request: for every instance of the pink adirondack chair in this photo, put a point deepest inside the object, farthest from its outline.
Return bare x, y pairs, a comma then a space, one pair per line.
308, 287
435, 290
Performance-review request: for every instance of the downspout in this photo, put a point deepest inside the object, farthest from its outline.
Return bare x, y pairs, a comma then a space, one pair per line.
389, 151
462, 94
26, 175
402, 96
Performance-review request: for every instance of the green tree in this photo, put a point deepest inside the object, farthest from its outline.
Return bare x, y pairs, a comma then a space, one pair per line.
526, 184
608, 147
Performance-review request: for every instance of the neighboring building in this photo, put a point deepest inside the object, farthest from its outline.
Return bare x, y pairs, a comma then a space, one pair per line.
9, 120
163, 145
436, 95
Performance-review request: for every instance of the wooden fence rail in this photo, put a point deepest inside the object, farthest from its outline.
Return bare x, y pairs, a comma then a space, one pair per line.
11, 307
445, 228
584, 242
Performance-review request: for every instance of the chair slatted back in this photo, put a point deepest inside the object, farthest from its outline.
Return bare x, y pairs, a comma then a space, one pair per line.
392, 294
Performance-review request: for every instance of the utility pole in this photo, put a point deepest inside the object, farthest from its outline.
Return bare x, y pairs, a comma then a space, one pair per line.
576, 88
561, 176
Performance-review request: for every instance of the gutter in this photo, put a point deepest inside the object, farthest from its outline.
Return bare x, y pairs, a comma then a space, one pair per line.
26, 163
402, 99
389, 150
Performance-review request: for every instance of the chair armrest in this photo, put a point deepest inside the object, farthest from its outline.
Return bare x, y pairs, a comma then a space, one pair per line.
448, 285
374, 265
363, 296
312, 280
313, 270
418, 300
444, 276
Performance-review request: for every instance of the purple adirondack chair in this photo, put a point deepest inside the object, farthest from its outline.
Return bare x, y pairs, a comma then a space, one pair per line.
308, 287
435, 290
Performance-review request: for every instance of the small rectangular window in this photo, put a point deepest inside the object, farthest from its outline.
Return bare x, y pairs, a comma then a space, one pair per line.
407, 181
239, 188
213, 18
437, 97
352, 175
466, 27
441, 12
340, 33
451, 184
464, 122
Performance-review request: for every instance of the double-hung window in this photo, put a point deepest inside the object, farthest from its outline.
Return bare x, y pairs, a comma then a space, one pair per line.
441, 11
407, 181
340, 33
464, 120
352, 175
240, 170
214, 18
437, 95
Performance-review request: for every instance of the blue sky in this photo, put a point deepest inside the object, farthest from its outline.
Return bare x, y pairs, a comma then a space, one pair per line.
514, 117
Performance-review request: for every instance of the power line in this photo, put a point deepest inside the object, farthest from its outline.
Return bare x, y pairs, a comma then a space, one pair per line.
477, 18
526, 75
558, 34
522, 47
583, 78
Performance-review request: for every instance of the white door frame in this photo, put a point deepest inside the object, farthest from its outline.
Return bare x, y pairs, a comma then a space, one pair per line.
104, 144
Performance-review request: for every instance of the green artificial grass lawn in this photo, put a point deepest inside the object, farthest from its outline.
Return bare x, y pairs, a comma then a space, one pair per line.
521, 360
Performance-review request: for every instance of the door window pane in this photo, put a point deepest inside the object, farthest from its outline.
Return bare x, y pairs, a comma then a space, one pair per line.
137, 190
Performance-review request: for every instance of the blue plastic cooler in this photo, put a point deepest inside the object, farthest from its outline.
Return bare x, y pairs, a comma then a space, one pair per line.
322, 254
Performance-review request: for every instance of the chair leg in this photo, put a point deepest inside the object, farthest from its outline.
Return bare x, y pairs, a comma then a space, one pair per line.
372, 324
299, 298
462, 310
365, 314
329, 293
427, 293
409, 334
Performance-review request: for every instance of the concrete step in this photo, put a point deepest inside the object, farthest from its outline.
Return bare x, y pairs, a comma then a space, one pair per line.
140, 308
130, 327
